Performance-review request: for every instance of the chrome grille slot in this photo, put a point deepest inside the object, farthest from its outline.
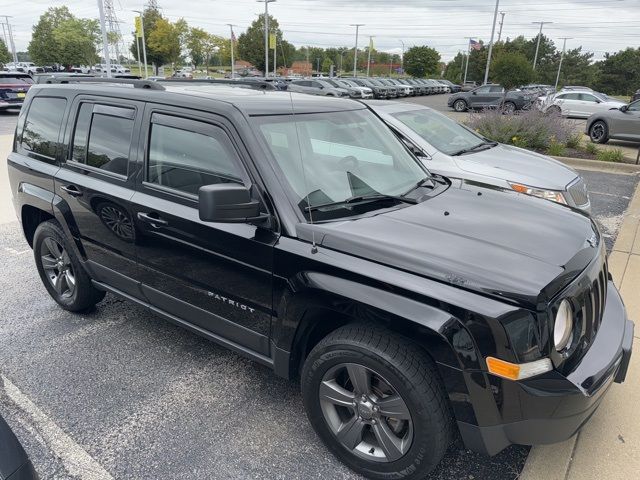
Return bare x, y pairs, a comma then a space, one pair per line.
578, 192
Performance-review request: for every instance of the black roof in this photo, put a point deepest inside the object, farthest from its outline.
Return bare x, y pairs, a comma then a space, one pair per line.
249, 101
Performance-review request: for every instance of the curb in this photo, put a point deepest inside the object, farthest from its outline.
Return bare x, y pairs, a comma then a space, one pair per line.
554, 462
611, 167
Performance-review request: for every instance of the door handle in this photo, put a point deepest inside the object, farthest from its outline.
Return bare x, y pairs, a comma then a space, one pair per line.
71, 190
153, 220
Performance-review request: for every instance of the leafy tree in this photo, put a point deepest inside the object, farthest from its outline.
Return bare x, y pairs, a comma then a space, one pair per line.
164, 43
43, 47
196, 41
511, 70
421, 61
326, 64
251, 44
5, 56
76, 39
619, 72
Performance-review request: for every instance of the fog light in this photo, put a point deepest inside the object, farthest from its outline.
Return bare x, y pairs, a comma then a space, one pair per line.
563, 327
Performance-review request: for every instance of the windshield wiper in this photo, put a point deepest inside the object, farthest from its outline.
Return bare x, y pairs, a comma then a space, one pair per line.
362, 199
476, 148
421, 183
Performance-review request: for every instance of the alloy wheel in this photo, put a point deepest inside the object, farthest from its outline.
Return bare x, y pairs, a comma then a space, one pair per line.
365, 413
57, 267
597, 131
459, 106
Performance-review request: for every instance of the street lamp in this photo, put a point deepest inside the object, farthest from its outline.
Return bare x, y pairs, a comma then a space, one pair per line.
355, 52
266, 35
493, 31
564, 46
144, 43
402, 58
535, 59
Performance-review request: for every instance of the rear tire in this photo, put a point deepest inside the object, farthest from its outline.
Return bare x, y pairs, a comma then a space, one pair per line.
60, 270
554, 110
509, 108
460, 106
377, 403
599, 132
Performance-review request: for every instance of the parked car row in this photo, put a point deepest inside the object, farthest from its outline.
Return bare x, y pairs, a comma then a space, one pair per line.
367, 87
303, 232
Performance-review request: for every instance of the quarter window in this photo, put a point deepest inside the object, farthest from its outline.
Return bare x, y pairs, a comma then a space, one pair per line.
42, 126
102, 137
186, 155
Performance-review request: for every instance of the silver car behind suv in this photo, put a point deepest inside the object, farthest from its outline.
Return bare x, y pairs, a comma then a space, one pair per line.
452, 150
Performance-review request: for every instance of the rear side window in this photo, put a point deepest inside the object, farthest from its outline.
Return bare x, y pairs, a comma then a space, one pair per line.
102, 137
42, 126
186, 155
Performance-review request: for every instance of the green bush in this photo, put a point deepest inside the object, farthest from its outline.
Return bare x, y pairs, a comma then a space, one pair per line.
591, 148
528, 129
574, 141
556, 149
613, 155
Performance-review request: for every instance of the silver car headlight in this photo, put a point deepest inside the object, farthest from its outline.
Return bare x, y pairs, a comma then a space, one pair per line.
563, 326
553, 195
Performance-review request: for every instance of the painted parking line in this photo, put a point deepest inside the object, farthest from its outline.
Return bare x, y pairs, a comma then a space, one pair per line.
77, 462
13, 251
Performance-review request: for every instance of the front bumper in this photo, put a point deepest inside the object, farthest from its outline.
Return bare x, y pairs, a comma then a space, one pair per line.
553, 407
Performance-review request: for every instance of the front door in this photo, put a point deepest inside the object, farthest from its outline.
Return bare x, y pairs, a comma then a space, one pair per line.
96, 181
627, 124
214, 276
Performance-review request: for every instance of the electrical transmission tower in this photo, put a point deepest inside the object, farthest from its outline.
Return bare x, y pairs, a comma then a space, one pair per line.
114, 36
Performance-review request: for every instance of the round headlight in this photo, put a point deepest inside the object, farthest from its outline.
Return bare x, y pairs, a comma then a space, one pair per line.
563, 326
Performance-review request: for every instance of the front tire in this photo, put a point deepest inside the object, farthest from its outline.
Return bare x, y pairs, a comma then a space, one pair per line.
60, 270
377, 402
460, 106
509, 108
599, 132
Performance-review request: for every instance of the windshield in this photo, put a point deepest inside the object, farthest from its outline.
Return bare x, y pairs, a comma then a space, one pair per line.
438, 130
333, 157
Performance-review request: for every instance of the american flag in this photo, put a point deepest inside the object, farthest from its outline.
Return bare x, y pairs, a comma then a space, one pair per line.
475, 45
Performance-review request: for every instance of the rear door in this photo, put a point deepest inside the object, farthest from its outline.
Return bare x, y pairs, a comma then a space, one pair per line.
480, 97
96, 183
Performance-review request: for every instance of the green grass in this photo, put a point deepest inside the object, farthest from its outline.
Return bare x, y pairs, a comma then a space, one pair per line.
591, 148
556, 149
610, 155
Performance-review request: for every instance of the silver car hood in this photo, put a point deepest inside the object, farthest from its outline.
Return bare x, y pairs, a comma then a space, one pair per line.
518, 165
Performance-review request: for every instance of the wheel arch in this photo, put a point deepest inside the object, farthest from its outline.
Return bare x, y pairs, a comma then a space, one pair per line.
326, 302
30, 218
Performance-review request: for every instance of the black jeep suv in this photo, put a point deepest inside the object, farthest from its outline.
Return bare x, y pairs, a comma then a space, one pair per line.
300, 232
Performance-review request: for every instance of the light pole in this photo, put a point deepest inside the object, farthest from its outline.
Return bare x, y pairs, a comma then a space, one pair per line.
402, 59
369, 59
318, 65
564, 46
233, 61
105, 43
466, 68
13, 45
144, 43
341, 54
493, 31
535, 59
355, 52
266, 35
502, 14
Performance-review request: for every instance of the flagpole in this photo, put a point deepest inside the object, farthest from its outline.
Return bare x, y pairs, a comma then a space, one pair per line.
233, 63
466, 68
369, 60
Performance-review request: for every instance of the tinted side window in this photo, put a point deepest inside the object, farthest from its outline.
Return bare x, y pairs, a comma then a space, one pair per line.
186, 155
483, 90
42, 126
635, 106
102, 137
497, 89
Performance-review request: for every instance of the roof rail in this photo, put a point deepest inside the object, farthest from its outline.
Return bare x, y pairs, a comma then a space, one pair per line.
125, 81
256, 84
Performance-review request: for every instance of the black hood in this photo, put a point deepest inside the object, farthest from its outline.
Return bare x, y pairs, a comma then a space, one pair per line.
494, 242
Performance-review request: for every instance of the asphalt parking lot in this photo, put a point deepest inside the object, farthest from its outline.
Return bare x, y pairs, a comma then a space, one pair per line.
119, 393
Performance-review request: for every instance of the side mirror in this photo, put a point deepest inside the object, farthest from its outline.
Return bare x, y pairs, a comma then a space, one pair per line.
228, 203
474, 93
624, 108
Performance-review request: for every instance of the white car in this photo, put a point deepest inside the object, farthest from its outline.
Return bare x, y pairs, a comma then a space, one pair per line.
448, 148
581, 104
